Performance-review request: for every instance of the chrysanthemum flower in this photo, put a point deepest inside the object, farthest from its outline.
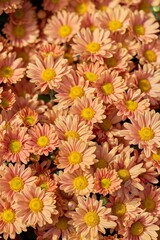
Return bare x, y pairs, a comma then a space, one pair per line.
106, 181
144, 131
10, 6
28, 116
43, 138
90, 21
7, 100
47, 73
55, 5
92, 218
14, 179
89, 110
81, 7
75, 154
94, 46
38, 206
51, 49
62, 27
155, 160
103, 4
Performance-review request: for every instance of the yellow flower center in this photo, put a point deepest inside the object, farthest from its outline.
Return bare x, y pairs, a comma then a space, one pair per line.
119, 209
146, 133
105, 125
102, 163
108, 88
150, 56
139, 30
92, 28
93, 47
15, 146
48, 74
44, 185
131, 105
62, 223
75, 157
145, 6
19, 31
156, 156
29, 120
103, 8
111, 62
6, 72
42, 141
87, 113
8, 216
81, 8
71, 134
91, 218
105, 183
55, 1
149, 204
18, 14
65, 31
144, 85
16, 184
36, 205
114, 25
137, 228
75, 92
80, 182
124, 174
4, 103
91, 77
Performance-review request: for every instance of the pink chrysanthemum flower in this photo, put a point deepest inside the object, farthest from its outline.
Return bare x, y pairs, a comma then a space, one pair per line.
7, 100
28, 116
115, 19
155, 160
143, 26
94, 46
14, 179
43, 138
47, 73
132, 104
81, 7
90, 21
92, 218
55, 5
71, 126
10, 223
144, 131
11, 70
78, 183
15, 145
62, 27
38, 206
89, 110
75, 154
51, 49
106, 181
110, 87
10, 6
46, 181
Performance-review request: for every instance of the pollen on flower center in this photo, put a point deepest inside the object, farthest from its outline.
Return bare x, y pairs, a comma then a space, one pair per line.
62, 223
131, 105
105, 125
42, 141
149, 204
15, 146
156, 156
114, 25
119, 209
75, 157
71, 134
105, 183
144, 85
48, 74
16, 184
44, 185
146, 133
139, 30
102, 163
111, 62
93, 47
124, 174
19, 31
8, 216
36, 205
65, 31
29, 120
150, 56
108, 88
91, 218
80, 182
81, 8
87, 113
91, 77
75, 92
6, 72
4, 103
137, 228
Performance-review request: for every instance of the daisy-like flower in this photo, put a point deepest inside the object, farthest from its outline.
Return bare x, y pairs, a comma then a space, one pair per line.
71, 126
46, 181
10, 223
55, 5
115, 19
11, 70
89, 110
143, 26
14, 179
62, 27
9, 6
43, 138
92, 218
110, 87
75, 154
47, 73
106, 181
94, 46
15, 145
28, 116
144, 131
51, 49
7, 100
155, 160
38, 206
78, 183
90, 20
81, 7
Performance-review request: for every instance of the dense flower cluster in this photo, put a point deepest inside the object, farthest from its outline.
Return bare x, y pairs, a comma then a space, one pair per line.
80, 119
